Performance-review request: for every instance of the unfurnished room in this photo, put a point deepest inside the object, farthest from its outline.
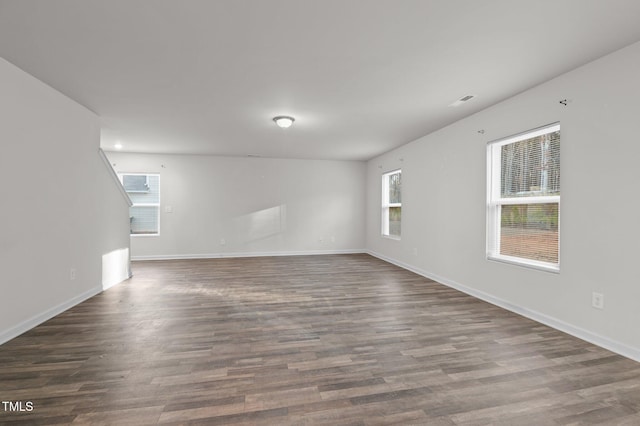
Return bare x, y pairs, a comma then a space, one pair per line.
319, 212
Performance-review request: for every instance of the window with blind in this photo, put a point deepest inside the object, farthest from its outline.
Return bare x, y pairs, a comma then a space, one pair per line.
523, 198
144, 192
391, 203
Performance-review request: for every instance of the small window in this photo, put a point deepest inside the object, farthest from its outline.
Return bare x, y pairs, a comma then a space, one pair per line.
144, 192
391, 203
135, 183
523, 198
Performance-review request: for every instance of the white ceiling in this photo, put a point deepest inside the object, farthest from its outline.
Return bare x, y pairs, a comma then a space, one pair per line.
361, 77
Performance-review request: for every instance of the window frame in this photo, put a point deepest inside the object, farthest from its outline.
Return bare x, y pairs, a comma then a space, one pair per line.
146, 183
495, 201
386, 205
134, 204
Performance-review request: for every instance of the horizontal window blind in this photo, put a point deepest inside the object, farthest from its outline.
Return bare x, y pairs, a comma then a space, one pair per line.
523, 202
531, 167
144, 192
530, 231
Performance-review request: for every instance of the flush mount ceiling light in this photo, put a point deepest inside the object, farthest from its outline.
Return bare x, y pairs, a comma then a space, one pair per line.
118, 145
284, 121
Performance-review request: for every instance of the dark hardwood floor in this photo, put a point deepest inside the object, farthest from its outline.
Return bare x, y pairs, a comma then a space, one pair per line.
306, 340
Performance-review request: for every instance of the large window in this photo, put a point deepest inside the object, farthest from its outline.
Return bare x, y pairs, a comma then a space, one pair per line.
144, 191
391, 203
523, 198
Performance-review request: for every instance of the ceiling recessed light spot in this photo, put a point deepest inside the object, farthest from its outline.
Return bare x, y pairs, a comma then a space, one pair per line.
118, 145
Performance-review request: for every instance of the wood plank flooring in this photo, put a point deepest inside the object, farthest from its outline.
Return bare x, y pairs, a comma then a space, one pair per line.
306, 340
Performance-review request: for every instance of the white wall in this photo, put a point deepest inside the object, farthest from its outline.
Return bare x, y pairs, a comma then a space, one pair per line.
112, 219
444, 193
60, 209
258, 206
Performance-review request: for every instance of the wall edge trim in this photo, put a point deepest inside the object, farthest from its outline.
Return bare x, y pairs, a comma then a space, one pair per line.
124, 278
114, 177
245, 254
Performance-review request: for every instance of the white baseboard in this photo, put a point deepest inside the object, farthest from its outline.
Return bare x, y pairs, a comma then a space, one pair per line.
581, 333
30, 323
246, 254
107, 286
596, 339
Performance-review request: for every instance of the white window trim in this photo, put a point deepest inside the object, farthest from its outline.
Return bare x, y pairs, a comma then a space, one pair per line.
120, 176
386, 205
495, 201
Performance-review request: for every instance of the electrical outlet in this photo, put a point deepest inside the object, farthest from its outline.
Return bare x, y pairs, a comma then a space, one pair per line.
223, 241
72, 274
597, 300
333, 238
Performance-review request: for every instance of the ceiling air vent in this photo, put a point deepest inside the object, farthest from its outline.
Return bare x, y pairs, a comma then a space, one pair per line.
462, 100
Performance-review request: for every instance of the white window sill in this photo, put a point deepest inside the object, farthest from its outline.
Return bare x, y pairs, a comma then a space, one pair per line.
532, 264
391, 237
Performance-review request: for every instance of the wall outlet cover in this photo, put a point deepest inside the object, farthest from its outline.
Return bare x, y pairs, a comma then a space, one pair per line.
597, 300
